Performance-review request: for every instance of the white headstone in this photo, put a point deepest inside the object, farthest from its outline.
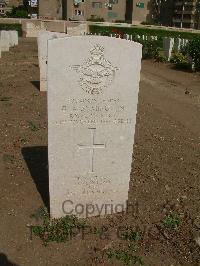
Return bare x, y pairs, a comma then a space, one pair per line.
43, 38
5, 41
13, 40
33, 28
77, 30
14, 36
93, 85
177, 44
168, 44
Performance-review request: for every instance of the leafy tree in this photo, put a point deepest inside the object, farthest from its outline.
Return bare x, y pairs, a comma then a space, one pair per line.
198, 14
156, 9
18, 12
193, 50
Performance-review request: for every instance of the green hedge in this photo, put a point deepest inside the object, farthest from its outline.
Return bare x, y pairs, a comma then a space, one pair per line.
17, 27
107, 30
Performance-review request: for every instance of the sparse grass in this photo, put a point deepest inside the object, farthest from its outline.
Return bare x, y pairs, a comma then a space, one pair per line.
23, 141
40, 213
63, 229
58, 230
130, 235
97, 230
32, 126
125, 256
172, 221
128, 255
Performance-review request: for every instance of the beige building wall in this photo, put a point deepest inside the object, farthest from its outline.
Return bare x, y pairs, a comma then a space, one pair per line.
14, 2
141, 11
50, 9
97, 9
109, 10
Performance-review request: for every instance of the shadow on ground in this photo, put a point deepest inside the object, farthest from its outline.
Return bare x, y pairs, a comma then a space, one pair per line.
36, 84
5, 262
37, 161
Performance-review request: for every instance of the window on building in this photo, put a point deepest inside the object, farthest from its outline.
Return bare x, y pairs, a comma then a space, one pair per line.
113, 2
140, 5
78, 12
97, 4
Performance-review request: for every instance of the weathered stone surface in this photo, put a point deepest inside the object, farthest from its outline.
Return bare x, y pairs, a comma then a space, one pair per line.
168, 44
4, 41
93, 85
43, 38
33, 28
77, 30
13, 38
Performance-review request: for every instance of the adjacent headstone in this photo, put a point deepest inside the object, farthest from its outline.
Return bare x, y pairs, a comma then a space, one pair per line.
43, 38
33, 28
168, 44
177, 44
55, 26
77, 30
93, 85
13, 38
184, 42
4, 41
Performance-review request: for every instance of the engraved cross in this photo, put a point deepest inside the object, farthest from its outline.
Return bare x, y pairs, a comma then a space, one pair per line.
91, 147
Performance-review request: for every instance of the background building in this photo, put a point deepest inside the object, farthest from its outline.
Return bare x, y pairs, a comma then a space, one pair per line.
142, 11
32, 8
179, 13
186, 14
6, 5
50, 9
107, 10
4, 8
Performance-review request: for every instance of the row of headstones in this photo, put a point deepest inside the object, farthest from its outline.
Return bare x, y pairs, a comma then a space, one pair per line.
91, 120
42, 40
8, 39
169, 44
129, 36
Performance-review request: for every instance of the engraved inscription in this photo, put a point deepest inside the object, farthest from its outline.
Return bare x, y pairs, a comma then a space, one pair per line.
93, 184
96, 73
92, 111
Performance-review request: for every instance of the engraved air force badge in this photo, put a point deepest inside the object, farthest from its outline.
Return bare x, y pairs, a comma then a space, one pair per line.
96, 73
